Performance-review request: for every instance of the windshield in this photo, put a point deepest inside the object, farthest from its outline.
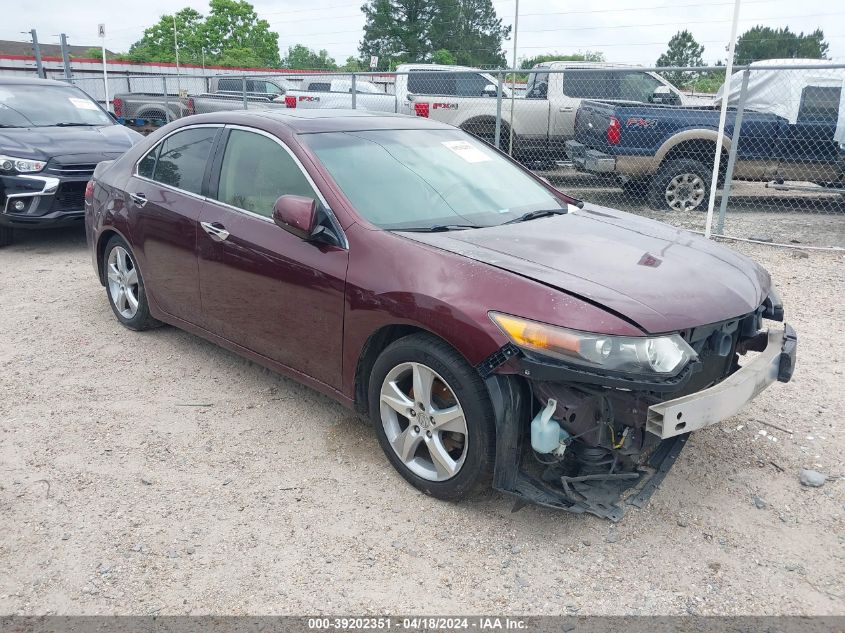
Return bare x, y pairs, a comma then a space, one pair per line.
419, 179
45, 105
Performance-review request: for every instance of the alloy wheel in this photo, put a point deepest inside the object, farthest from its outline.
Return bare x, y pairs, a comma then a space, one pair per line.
123, 282
423, 421
685, 192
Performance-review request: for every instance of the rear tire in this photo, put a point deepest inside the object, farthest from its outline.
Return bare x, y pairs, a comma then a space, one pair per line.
125, 287
680, 185
443, 441
7, 235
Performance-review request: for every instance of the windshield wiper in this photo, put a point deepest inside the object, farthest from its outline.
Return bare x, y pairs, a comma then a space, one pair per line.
533, 215
439, 228
4, 125
70, 124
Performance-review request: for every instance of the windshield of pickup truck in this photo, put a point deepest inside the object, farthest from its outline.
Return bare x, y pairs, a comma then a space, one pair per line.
419, 179
23, 105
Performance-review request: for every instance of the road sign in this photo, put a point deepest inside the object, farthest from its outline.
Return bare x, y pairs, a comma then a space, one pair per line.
101, 30
373, 61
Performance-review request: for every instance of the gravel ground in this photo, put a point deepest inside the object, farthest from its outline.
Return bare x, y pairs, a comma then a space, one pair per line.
155, 473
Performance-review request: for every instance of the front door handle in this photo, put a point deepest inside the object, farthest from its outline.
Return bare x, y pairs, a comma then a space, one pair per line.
215, 230
139, 199
566, 108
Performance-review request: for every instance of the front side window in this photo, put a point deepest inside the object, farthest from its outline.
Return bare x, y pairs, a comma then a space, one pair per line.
417, 179
590, 84
256, 170
181, 159
537, 86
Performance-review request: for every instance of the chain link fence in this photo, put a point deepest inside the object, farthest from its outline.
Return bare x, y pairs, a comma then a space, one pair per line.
623, 137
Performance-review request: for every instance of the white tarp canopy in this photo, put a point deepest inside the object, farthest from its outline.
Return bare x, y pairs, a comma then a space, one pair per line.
779, 91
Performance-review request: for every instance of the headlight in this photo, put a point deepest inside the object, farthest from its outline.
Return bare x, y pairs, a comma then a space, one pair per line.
21, 165
642, 355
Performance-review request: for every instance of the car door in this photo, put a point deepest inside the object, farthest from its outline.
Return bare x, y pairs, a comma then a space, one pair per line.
262, 287
806, 149
164, 201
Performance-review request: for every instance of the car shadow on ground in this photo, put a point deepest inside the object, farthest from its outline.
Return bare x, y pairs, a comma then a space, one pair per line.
64, 237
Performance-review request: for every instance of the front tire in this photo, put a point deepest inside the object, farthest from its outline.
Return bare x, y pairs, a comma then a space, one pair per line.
432, 416
125, 286
680, 185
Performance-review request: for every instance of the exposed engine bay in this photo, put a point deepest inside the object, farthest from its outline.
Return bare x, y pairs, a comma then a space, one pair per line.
595, 443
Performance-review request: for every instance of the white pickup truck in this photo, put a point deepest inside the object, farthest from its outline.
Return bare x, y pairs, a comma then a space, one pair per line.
542, 121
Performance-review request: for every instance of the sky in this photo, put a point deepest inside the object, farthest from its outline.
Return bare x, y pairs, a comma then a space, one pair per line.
624, 31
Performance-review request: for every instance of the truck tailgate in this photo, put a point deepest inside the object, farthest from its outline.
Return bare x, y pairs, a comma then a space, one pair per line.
591, 124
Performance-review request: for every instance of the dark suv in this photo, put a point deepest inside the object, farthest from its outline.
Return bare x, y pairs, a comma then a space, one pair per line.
52, 135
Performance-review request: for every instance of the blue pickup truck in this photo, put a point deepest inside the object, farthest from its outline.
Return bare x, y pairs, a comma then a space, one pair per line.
666, 152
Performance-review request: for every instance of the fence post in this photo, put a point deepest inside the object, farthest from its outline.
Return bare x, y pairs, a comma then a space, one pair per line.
243, 87
354, 92
166, 98
65, 58
726, 191
36, 50
498, 140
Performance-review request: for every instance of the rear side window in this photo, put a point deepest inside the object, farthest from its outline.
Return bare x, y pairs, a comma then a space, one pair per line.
230, 85
819, 103
257, 170
182, 159
319, 86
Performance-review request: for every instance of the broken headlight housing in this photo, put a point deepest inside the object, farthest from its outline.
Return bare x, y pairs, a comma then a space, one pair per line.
662, 356
20, 165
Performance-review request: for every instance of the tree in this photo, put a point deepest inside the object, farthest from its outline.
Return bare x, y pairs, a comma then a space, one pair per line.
234, 25
683, 50
443, 57
763, 42
231, 35
302, 57
589, 56
400, 31
354, 65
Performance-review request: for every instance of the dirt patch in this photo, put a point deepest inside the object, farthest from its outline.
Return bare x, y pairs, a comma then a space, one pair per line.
156, 473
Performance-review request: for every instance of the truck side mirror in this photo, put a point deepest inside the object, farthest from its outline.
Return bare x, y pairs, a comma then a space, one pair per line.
489, 91
663, 94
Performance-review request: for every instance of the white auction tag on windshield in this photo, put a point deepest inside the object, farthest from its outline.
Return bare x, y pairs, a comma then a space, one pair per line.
82, 104
466, 151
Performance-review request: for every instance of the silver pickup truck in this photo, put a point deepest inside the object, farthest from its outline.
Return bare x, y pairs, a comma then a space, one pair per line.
224, 93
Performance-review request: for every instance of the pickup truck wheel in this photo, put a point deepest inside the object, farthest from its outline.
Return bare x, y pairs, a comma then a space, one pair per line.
637, 188
7, 235
433, 417
680, 185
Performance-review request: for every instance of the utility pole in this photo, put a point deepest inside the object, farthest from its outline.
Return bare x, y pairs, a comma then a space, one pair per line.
65, 56
176, 46
36, 50
513, 76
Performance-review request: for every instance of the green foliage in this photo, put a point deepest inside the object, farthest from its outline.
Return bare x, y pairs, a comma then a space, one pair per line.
443, 57
588, 56
302, 57
354, 65
231, 35
763, 42
683, 50
401, 31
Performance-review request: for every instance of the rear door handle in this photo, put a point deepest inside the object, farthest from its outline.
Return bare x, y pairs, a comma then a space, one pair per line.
215, 230
566, 108
139, 199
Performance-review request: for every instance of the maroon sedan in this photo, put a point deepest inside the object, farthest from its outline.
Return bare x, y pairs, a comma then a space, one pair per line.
490, 326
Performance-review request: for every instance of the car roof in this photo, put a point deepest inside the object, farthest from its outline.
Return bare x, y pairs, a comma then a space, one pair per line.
306, 121
31, 81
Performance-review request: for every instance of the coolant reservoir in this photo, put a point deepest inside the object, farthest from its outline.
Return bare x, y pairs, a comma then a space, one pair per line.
546, 434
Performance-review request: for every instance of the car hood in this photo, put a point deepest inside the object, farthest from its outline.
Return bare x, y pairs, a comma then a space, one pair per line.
48, 142
661, 278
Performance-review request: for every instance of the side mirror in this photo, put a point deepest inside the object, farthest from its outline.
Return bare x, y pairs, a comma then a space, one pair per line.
296, 215
489, 91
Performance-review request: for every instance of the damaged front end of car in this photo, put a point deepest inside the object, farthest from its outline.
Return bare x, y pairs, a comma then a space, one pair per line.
603, 418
